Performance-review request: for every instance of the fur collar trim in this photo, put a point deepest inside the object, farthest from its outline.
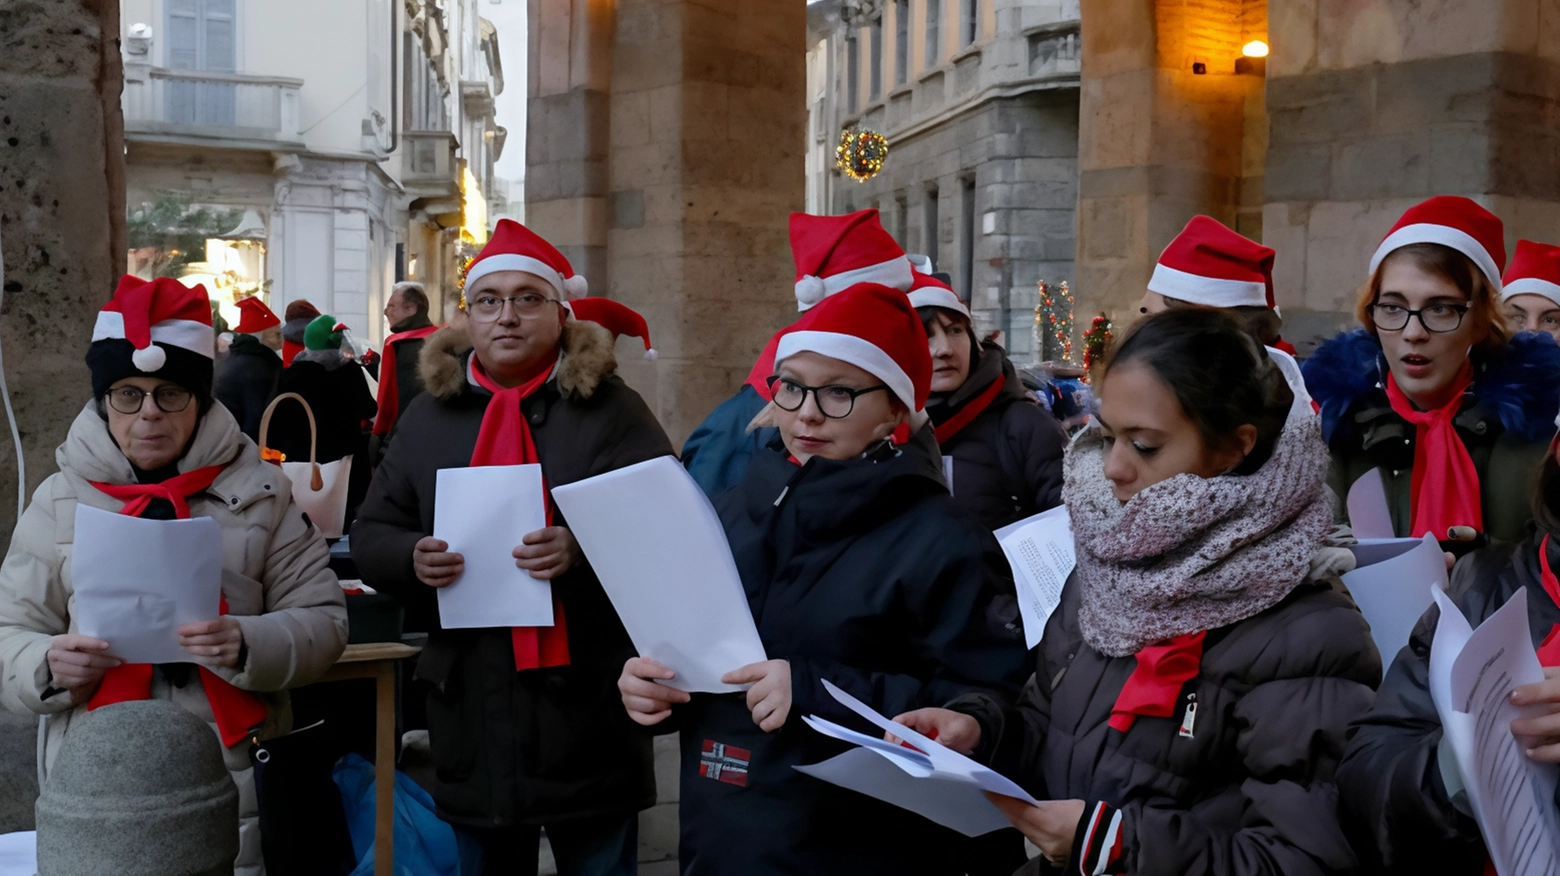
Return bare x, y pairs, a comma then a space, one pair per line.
1519, 386
587, 360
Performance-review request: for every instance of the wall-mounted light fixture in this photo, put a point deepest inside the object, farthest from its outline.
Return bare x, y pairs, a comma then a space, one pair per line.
1255, 49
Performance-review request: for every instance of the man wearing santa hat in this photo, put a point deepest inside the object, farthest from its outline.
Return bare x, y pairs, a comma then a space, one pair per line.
1531, 288
247, 375
832, 253
524, 723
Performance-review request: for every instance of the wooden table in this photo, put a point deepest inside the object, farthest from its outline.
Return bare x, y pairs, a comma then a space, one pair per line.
378, 661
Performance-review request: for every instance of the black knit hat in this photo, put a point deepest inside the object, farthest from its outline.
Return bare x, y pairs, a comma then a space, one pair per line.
109, 361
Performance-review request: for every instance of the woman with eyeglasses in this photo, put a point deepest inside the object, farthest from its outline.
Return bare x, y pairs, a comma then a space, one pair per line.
860, 570
1433, 391
152, 443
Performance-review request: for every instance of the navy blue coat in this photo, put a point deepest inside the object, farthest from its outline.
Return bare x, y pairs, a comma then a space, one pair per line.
717, 452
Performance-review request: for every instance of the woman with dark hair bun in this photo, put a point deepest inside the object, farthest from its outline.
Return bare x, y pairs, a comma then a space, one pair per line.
1193, 687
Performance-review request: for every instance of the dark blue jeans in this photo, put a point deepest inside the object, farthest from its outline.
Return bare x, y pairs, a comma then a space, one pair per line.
607, 845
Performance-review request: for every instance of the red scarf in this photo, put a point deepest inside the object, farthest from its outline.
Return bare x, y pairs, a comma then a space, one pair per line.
970, 411
1445, 486
290, 351
236, 711
1549, 651
1155, 685
505, 439
389, 390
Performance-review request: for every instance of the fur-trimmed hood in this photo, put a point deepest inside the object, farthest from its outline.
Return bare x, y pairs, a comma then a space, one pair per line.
587, 359
1519, 386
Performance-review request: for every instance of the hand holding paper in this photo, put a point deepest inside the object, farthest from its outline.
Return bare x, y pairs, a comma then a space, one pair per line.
1538, 731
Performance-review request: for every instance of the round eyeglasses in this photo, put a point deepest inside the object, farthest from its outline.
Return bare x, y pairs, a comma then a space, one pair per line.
834, 402
1439, 318
486, 308
168, 399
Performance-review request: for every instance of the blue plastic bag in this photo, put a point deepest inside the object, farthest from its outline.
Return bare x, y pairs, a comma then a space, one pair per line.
425, 845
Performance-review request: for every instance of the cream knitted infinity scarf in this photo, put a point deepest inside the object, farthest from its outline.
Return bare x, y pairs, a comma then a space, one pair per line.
1190, 553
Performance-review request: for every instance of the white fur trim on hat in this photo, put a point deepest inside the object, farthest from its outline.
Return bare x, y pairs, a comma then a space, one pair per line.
1208, 291
848, 348
197, 337
922, 263
934, 296
1532, 286
1445, 235
895, 273
508, 261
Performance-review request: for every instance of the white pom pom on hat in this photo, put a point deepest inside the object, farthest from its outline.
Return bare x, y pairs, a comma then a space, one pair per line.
810, 290
149, 359
576, 287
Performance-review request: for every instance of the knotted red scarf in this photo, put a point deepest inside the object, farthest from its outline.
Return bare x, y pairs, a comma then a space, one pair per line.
505, 439
1445, 486
1155, 685
236, 711
970, 411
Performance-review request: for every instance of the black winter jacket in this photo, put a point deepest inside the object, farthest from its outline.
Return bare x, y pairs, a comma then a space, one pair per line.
340, 399
1007, 462
1395, 802
1249, 790
246, 381
544, 745
408, 351
865, 573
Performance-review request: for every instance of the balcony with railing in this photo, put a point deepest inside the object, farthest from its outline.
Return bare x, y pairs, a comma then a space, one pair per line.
429, 168
231, 109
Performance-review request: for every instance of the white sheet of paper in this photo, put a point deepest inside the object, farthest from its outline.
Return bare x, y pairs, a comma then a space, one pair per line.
1393, 591
1471, 674
483, 512
1041, 552
137, 581
955, 805
19, 853
1369, 515
656, 543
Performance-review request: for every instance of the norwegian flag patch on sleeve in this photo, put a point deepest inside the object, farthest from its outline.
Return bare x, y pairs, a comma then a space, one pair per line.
724, 763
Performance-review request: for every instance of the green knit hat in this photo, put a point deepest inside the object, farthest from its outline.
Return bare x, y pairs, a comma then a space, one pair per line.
323, 333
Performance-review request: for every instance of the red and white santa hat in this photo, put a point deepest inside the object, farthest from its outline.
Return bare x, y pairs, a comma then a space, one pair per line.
149, 313
619, 319
1454, 222
873, 327
833, 253
514, 247
928, 291
1209, 264
1534, 270
254, 316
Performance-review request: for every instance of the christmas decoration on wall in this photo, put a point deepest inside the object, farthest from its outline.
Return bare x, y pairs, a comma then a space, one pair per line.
1054, 323
860, 154
1095, 342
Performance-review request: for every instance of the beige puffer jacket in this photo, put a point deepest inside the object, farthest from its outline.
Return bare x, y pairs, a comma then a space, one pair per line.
274, 576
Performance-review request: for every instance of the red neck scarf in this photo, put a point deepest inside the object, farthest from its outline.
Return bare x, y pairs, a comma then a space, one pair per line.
1445, 486
236, 711
1155, 685
974, 408
505, 439
389, 389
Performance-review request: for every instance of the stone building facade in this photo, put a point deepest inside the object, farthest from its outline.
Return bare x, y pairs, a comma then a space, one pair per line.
979, 102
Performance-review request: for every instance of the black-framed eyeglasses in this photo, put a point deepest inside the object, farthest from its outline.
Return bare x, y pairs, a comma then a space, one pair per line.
1439, 318
169, 399
486, 308
834, 402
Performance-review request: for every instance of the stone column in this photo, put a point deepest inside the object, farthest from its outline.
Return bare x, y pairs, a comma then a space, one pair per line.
1378, 104
1162, 135
708, 119
62, 214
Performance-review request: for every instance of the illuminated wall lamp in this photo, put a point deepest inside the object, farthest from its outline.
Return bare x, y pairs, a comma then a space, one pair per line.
1255, 49
1253, 60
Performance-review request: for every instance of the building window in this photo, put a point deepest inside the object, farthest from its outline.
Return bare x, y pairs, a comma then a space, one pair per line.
202, 35
933, 33
901, 41
852, 75
902, 221
929, 231
971, 29
967, 236
875, 75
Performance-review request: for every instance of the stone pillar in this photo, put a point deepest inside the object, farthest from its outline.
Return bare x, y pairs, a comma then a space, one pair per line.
708, 119
1378, 104
62, 214
1163, 135
567, 130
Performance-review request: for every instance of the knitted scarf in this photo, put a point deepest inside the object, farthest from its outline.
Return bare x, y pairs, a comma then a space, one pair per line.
1190, 554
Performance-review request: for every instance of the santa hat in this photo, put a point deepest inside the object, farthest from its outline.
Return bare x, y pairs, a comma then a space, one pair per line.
928, 291
514, 247
254, 316
1535, 270
833, 253
619, 319
1453, 222
1209, 264
324, 333
874, 328
157, 328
